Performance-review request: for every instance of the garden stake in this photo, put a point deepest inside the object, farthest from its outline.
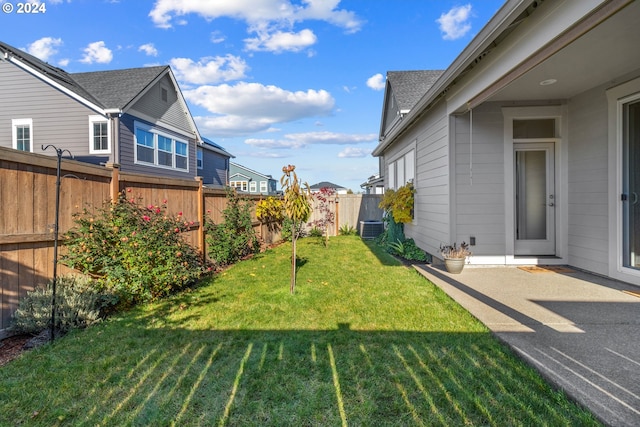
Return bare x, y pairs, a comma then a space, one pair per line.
59, 152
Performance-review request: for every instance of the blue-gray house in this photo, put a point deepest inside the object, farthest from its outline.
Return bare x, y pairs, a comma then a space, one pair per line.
213, 163
249, 181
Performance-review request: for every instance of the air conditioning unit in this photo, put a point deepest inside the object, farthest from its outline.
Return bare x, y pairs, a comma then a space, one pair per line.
371, 229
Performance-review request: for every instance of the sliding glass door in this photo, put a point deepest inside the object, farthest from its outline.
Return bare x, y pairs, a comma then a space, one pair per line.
631, 186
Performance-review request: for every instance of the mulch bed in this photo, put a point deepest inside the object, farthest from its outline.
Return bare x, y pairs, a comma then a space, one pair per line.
12, 347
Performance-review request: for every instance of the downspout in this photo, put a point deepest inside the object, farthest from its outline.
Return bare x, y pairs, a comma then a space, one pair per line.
113, 114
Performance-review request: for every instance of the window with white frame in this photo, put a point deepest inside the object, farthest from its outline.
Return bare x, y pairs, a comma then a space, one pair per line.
263, 186
239, 185
200, 155
156, 148
253, 187
22, 134
99, 135
401, 170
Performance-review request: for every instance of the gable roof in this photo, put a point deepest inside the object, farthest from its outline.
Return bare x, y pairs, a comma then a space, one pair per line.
117, 88
103, 91
326, 184
409, 86
246, 169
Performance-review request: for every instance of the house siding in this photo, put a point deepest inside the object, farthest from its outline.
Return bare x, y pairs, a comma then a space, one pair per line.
57, 118
127, 147
432, 216
479, 180
170, 112
215, 168
588, 231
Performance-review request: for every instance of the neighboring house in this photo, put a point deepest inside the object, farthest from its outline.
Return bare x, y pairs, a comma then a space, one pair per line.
136, 117
529, 143
325, 184
213, 163
249, 181
374, 185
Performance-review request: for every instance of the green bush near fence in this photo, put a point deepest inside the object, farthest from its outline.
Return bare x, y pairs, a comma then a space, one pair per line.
135, 252
234, 238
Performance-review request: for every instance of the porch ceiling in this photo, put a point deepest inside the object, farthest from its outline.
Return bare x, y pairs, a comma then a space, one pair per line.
608, 51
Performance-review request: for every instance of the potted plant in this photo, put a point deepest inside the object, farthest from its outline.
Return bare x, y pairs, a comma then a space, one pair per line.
455, 256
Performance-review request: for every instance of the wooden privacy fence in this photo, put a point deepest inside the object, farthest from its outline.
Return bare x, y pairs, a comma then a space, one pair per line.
27, 212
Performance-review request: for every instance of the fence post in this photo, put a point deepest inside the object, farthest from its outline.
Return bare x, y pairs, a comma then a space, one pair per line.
114, 187
201, 239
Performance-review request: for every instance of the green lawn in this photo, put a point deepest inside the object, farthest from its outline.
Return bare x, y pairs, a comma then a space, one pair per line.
364, 341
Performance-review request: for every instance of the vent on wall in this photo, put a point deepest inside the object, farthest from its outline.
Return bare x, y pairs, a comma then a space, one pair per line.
371, 229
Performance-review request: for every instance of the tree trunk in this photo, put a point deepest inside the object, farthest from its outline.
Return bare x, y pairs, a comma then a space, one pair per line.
293, 263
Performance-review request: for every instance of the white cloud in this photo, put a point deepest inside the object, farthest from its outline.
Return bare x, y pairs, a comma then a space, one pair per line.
97, 52
351, 152
271, 20
149, 49
376, 82
64, 62
217, 37
280, 41
298, 140
44, 48
455, 23
257, 100
210, 69
256, 11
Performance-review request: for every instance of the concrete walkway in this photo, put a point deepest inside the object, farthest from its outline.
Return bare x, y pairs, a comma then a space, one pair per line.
580, 331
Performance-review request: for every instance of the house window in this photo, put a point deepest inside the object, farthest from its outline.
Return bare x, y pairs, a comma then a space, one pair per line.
200, 154
239, 185
181, 155
263, 186
98, 135
401, 170
160, 149
253, 187
145, 146
22, 130
165, 151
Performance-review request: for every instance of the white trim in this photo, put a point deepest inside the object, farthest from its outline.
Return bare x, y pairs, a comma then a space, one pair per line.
99, 119
253, 187
158, 132
558, 112
14, 133
617, 97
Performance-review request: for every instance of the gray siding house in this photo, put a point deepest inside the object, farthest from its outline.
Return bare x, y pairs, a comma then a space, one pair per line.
136, 118
213, 164
529, 143
249, 181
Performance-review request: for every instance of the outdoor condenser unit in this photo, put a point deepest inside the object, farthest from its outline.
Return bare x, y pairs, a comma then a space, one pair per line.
371, 229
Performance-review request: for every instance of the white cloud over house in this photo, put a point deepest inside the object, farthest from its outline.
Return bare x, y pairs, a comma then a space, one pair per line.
44, 48
455, 23
97, 52
376, 82
209, 70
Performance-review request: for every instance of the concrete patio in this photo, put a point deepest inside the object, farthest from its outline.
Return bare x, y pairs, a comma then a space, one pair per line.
580, 331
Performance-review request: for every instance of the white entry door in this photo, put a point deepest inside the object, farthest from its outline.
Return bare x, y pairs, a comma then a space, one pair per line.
535, 230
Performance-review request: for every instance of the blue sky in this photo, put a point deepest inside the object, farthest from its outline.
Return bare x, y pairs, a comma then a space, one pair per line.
275, 82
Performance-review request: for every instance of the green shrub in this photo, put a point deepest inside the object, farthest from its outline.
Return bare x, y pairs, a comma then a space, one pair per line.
235, 237
316, 232
78, 304
133, 251
347, 230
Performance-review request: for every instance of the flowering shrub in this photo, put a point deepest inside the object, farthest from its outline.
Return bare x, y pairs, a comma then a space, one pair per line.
235, 237
134, 251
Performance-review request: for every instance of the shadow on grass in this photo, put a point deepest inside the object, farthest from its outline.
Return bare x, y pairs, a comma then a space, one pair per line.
142, 374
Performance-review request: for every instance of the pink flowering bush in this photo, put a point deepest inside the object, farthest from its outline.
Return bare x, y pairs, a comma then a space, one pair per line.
134, 251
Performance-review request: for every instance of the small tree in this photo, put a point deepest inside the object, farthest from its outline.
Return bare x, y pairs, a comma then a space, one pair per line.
326, 198
297, 208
